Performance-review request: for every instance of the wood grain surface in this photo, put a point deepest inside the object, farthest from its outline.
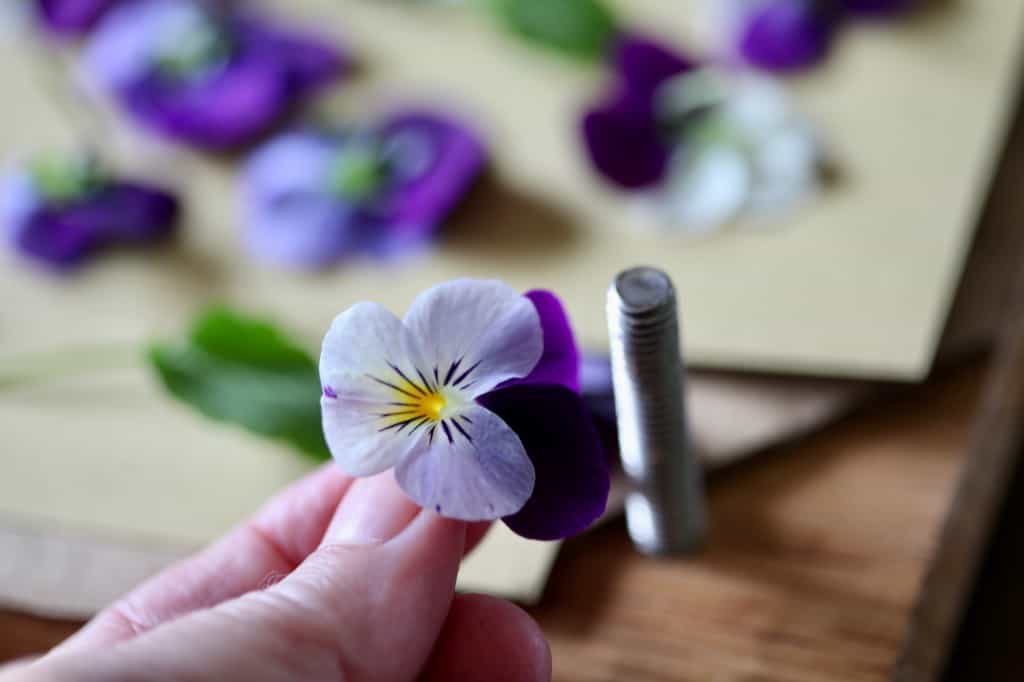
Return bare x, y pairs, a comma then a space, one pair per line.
816, 554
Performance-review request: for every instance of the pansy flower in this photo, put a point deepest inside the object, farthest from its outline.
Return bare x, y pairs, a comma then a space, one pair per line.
472, 399
743, 149
59, 210
71, 17
625, 137
699, 146
784, 35
313, 197
215, 78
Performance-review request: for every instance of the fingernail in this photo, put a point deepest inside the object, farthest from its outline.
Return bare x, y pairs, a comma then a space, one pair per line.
374, 510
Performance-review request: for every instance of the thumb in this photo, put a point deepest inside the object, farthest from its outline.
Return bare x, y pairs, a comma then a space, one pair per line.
363, 606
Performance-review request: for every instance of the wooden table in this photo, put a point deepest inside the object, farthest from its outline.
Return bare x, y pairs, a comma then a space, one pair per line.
816, 555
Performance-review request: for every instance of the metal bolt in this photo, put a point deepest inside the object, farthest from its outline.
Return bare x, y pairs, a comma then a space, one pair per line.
665, 496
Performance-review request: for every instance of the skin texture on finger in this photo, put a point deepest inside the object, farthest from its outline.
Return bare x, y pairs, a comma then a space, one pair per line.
475, 534
373, 510
487, 639
193, 605
253, 556
350, 612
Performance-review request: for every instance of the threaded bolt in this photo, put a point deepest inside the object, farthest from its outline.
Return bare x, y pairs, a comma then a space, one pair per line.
665, 498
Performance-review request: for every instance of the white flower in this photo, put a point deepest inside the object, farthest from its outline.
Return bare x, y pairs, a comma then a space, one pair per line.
402, 393
744, 150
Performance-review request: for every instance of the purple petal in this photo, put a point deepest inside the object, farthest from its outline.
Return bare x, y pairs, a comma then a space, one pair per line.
449, 158
783, 35
624, 144
473, 468
596, 385
644, 64
304, 232
560, 363
47, 237
309, 61
124, 212
224, 106
571, 486
222, 111
71, 17
290, 217
598, 394
130, 212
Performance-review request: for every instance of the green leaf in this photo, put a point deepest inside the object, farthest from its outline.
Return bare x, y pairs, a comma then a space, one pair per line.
246, 372
582, 28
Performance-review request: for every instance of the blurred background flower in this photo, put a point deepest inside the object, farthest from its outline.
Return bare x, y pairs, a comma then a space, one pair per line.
700, 146
623, 134
785, 35
312, 197
71, 17
209, 75
741, 146
58, 210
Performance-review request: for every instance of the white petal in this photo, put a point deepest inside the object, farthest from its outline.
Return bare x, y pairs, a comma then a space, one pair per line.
785, 170
708, 190
365, 349
294, 163
484, 329
365, 355
757, 107
123, 46
358, 442
476, 470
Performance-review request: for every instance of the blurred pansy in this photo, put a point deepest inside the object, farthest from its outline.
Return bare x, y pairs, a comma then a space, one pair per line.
204, 73
472, 398
313, 197
743, 148
70, 17
623, 133
59, 210
784, 35
712, 144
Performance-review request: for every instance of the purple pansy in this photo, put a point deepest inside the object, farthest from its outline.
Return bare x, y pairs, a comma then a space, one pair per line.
785, 35
312, 197
71, 17
623, 133
213, 78
471, 399
60, 211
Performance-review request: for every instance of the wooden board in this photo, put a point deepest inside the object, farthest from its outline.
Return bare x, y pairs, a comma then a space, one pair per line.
815, 558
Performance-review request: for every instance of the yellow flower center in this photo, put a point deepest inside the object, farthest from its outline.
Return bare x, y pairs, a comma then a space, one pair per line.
430, 406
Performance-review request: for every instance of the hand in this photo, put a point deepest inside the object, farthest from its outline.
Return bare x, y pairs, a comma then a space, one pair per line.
335, 579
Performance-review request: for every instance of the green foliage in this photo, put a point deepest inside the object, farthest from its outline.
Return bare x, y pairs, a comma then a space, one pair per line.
246, 372
582, 28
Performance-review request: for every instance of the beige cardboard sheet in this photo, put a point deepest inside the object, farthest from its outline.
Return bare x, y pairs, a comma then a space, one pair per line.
858, 284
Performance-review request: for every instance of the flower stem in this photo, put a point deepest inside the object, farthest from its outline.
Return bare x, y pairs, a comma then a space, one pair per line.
26, 369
